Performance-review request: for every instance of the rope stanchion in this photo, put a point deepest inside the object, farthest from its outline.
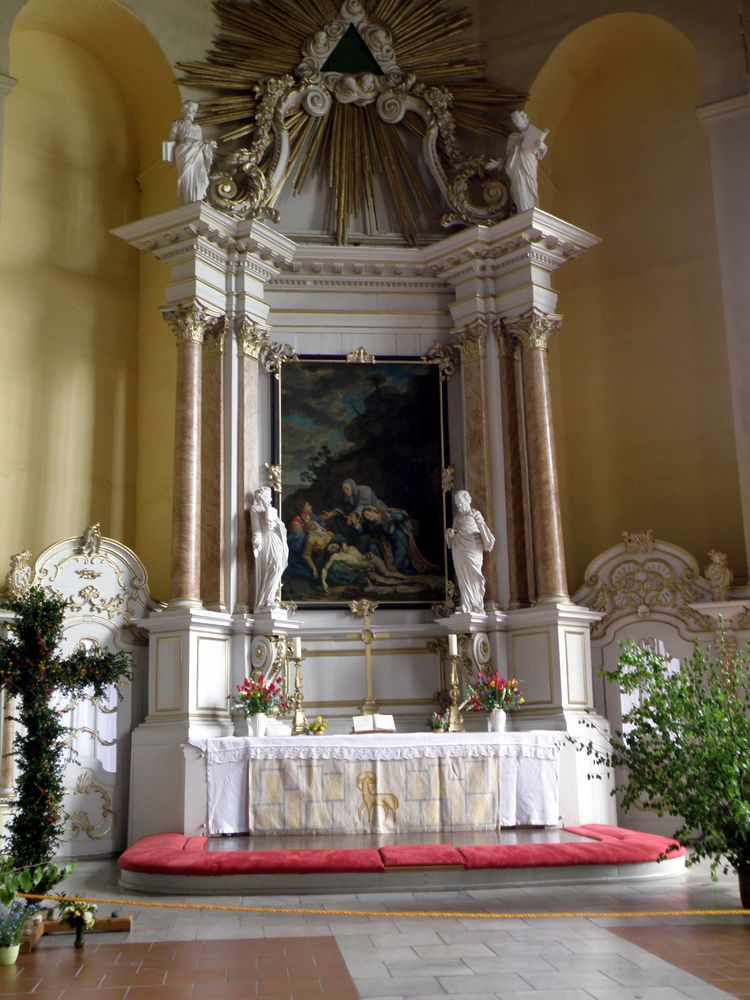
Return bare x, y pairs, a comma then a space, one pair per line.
425, 914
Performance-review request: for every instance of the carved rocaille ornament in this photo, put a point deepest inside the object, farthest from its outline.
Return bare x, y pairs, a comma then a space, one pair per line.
318, 87
533, 329
446, 356
254, 341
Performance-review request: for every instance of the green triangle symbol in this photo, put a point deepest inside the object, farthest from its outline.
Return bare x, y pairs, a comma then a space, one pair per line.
351, 55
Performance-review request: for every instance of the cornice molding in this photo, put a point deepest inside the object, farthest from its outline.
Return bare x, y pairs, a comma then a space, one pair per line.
730, 107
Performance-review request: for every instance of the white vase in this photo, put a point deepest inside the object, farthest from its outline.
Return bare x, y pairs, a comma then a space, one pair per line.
8, 955
257, 724
496, 721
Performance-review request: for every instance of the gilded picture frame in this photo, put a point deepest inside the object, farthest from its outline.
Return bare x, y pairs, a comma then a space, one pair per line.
362, 447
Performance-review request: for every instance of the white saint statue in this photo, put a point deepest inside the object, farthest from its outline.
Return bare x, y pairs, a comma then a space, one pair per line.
269, 548
468, 539
192, 155
523, 152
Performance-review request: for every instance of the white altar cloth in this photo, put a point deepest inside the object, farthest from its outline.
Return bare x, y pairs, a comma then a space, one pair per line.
529, 768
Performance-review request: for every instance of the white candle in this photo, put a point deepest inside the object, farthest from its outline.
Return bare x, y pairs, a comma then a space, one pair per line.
297, 648
452, 645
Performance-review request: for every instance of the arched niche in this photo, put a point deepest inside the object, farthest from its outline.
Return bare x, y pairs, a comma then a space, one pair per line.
640, 374
81, 150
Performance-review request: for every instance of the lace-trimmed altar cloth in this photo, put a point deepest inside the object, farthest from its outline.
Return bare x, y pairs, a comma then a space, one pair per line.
528, 769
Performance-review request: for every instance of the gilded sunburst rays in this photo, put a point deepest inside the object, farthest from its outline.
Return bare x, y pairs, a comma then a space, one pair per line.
350, 145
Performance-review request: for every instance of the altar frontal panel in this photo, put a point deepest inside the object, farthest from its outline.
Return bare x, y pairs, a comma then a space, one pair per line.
374, 796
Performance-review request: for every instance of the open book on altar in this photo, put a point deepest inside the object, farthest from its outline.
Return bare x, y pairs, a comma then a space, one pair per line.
373, 724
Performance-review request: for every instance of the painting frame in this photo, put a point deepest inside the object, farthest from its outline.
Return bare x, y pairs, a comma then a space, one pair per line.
362, 447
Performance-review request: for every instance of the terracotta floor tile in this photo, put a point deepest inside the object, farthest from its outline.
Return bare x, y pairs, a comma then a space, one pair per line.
181, 991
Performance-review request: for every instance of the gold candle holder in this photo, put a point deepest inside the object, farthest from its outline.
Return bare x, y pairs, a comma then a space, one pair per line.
299, 725
455, 719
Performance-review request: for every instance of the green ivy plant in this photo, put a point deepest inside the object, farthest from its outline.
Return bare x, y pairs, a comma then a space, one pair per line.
684, 747
33, 670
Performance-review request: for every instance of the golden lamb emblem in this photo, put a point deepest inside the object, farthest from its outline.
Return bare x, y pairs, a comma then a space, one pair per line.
372, 799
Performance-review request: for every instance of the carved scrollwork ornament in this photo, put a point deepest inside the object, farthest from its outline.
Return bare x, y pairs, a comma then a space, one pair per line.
446, 356
448, 478
361, 356
362, 608
534, 328
274, 476
638, 541
21, 575
273, 355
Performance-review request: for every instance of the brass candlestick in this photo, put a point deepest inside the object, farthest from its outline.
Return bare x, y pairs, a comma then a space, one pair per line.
299, 725
455, 719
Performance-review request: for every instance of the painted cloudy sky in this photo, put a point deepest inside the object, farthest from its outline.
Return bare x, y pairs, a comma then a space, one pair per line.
319, 400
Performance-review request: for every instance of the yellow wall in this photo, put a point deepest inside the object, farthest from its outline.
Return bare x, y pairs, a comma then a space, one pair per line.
84, 396
640, 380
68, 300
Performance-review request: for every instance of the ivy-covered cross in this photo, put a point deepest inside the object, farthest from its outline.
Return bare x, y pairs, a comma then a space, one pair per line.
33, 670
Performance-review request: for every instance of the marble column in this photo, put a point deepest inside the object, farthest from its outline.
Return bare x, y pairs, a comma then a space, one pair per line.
251, 338
520, 567
472, 341
188, 324
534, 329
213, 576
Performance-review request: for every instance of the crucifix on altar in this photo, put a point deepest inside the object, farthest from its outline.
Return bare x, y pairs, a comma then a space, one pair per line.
364, 609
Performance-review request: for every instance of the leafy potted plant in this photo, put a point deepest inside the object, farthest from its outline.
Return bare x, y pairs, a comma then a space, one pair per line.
495, 695
13, 917
15, 911
684, 748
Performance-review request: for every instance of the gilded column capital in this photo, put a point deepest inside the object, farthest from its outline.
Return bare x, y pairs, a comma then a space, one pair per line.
189, 323
214, 335
251, 338
471, 339
533, 329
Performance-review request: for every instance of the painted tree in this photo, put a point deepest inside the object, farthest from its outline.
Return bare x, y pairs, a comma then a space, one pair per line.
33, 670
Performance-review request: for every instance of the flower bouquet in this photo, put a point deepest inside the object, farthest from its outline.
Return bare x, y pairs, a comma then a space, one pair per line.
79, 916
257, 695
492, 692
438, 722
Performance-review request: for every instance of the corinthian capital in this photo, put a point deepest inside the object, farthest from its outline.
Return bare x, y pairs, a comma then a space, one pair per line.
251, 338
214, 335
189, 323
471, 339
533, 329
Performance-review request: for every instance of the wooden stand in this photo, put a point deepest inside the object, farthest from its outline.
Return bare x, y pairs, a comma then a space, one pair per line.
103, 925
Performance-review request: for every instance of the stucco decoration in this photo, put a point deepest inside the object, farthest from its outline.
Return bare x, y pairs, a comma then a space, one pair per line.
330, 100
642, 578
105, 588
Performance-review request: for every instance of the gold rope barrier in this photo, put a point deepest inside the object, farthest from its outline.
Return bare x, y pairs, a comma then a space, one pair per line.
431, 914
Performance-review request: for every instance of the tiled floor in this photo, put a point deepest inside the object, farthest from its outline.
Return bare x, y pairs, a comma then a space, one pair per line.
389, 955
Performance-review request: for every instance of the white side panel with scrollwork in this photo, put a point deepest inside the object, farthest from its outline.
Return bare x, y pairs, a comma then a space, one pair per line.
654, 593
105, 588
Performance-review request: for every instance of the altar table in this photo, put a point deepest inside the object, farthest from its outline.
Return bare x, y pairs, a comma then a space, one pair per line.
381, 782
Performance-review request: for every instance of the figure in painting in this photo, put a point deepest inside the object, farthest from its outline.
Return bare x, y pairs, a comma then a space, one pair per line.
269, 549
468, 539
192, 155
524, 150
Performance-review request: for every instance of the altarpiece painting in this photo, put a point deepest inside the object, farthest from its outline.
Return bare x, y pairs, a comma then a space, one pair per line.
361, 447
